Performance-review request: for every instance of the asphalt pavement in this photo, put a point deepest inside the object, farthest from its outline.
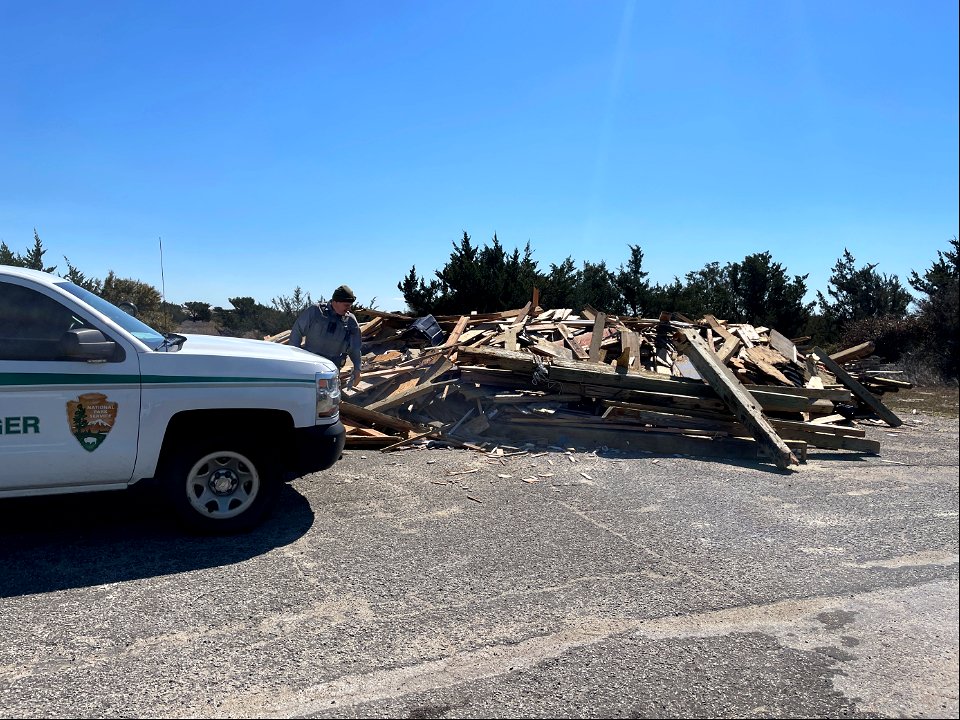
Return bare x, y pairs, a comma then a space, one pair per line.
433, 583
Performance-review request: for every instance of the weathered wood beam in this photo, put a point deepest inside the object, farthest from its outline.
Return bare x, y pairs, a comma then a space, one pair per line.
578, 352
599, 323
854, 353
858, 390
399, 398
457, 331
373, 417
731, 343
741, 403
783, 345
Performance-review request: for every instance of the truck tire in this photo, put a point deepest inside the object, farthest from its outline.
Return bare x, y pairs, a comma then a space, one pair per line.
217, 488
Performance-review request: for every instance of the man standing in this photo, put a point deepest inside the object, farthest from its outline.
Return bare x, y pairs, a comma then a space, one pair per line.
331, 330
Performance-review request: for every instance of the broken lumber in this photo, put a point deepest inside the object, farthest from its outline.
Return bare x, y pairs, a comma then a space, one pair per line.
737, 398
858, 390
854, 353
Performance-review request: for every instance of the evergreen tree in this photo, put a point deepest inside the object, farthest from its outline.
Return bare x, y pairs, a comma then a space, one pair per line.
631, 281
7, 256
708, 291
421, 298
764, 296
940, 309
668, 298
859, 293
598, 288
560, 287
78, 278
198, 311
34, 257
484, 279
119, 290
291, 307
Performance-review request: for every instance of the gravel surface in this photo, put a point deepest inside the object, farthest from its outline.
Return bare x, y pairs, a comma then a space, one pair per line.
442, 583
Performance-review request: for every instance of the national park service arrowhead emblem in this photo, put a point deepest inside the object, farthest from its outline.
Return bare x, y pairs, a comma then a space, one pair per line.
91, 417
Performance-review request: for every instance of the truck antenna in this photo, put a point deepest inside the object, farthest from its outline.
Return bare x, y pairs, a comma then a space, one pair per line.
163, 287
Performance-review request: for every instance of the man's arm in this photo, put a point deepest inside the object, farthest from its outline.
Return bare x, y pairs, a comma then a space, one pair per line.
354, 349
299, 328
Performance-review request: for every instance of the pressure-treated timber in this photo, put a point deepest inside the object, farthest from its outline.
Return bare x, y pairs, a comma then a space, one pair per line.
364, 414
741, 403
731, 343
856, 352
859, 391
403, 396
597, 337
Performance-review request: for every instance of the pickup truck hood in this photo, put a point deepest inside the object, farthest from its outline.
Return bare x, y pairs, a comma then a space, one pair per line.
214, 345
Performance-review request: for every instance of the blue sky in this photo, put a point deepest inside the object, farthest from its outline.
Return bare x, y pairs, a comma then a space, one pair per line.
281, 144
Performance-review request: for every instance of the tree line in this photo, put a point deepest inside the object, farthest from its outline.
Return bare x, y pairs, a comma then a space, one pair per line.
860, 303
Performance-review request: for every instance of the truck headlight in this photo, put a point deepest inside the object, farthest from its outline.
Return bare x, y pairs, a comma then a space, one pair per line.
328, 395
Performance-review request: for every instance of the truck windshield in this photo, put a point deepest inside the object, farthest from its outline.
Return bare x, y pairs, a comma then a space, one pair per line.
137, 328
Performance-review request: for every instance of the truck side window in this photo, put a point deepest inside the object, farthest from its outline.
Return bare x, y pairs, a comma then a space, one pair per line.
32, 324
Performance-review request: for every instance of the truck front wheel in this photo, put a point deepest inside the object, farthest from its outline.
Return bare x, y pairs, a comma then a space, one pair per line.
216, 488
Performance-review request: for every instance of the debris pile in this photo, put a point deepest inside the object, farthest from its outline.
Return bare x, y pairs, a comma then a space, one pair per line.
500, 382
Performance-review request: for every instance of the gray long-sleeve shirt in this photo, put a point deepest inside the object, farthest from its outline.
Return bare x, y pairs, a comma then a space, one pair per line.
328, 334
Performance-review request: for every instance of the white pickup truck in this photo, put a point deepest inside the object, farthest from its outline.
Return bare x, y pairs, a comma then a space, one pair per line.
91, 398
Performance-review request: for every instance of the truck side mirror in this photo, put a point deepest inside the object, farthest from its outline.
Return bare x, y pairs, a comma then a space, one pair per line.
87, 344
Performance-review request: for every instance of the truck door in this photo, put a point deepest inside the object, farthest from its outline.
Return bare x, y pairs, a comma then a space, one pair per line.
63, 422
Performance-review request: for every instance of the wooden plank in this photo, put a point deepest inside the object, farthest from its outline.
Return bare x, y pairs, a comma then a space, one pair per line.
748, 333
630, 342
521, 399
833, 394
858, 390
457, 331
783, 345
854, 353
598, 374
812, 373
827, 420
597, 337
667, 392
522, 315
731, 343
373, 417
510, 339
789, 402
795, 430
741, 403
545, 349
400, 398
495, 377
471, 334
362, 442
831, 441
761, 359
836, 430
435, 370
576, 348
747, 343
411, 439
